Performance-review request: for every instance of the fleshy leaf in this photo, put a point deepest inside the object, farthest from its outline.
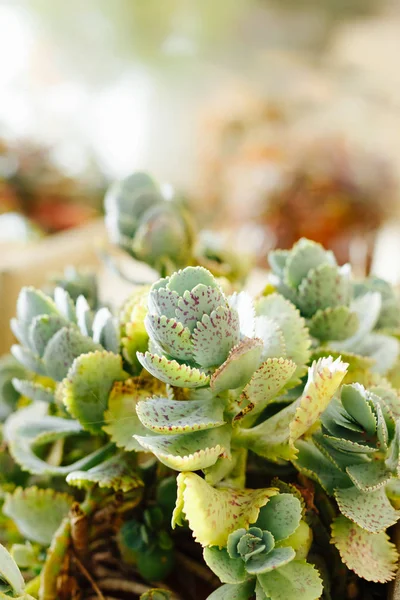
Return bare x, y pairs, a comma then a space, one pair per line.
196, 302
265, 384
369, 476
122, 422
271, 334
105, 331
383, 349
317, 466
55, 561
215, 336
10, 572
367, 308
117, 472
32, 302
305, 255
189, 278
33, 390
229, 570
372, 511
163, 302
170, 371
293, 581
37, 512
170, 416
42, 329
355, 401
281, 516
336, 323
241, 591
292, 325
326, 286
66, 345
26, 358
372, 556
65, 304
214, 513
264, 563
170, 335
189, 451
87, 386
241, 363
243, 304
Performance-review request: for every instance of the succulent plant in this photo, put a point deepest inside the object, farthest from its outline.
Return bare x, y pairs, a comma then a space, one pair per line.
309, 276
79, 283
150, 227
355, 457
9, 369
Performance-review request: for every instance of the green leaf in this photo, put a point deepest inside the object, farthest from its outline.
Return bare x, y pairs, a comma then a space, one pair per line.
55, 561
189, 451
63, 348
170, 416
340, 458
65, 304
370, 476
277, 260
241, 363
281, 516
170, 335
292, 325
383, 349
293, 581
34, 391
170, 371
241, 591
37, 513
117, 472
355, 401
264, 563
215, 336
121, 419
87, 386
214, 513
371, 556
105, 330
367, 308
26, 358
370, 510
312, 463
326, 286
197, 302
31, 303
229, 570
337, 323
304, 256
42, 329
10, 572
163, 302
265, 384
189, 278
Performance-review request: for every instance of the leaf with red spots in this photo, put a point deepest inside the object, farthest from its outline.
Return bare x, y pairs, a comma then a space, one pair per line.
215, 336
336, 323
199, 301
293, 581
370, 510
170, 335
170, 371
241, 363
325, 286
214, 513
371, 556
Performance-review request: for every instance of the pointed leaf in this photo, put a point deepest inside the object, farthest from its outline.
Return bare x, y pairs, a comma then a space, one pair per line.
266, 383
370, 510
281, 516
118, 473
296, 580
65, 304
122, 422
369, 476
84, 316
337, 323
227, 569
169, 416
32, 302
241, 363
66, 345
37, 513
264, 563
10, 572
214, 337
215, 513
34, 391
87, 386
170, 335
194, 303
170, 371
189, 451
371, 556
241, 591
355, 401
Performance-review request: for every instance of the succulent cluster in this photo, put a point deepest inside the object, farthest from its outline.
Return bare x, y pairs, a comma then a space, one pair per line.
262, 428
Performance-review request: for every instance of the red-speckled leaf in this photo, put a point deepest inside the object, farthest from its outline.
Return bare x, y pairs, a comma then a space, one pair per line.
370, 510
241, 363
189, 451
170, 335
337, 323
215, 336
227, 569
304, 256
197, 302
372, 556
324, 286
163, 302
166, 416
295, 581
170, 371
214, 513
369, 476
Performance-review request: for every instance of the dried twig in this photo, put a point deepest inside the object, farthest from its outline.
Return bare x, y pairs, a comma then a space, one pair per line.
90, 579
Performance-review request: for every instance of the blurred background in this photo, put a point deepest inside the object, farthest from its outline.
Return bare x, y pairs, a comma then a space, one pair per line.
276, 118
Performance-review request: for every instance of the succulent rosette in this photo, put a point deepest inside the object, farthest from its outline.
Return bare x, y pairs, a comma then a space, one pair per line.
355, 457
